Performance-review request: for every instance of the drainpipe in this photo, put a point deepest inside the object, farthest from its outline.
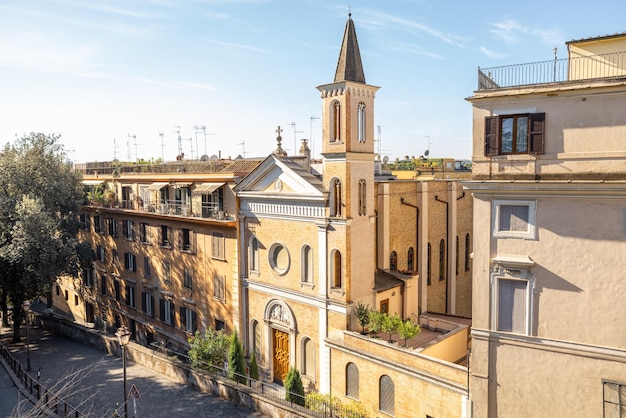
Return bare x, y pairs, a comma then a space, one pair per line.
417, 236
446, 248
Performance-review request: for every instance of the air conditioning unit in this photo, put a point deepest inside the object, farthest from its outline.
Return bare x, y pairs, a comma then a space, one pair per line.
163, 208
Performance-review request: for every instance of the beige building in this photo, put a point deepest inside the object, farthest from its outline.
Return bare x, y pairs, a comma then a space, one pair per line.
549, 188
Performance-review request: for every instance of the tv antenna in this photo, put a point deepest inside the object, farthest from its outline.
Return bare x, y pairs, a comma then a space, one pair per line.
128, 149
162, 147
311, 135
115, 147
427, 146
243, 145
378, 128
294, 136
180, 142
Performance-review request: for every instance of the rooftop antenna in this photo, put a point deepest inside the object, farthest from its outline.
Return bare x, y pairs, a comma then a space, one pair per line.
243, 144
162, 147
378, 128
427, 146
128, 149
180, 141
190, 139
115, 147
311, 136
135, 143
294, 136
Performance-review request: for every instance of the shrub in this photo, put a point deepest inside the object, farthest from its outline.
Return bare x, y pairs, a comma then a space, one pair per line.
208, 350
254, 368
236, 362
362, 312
376, 320
408, 330
294, 388
390, 324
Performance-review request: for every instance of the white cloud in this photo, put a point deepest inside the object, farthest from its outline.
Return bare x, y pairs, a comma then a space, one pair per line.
491, 54
239, 46
512, 32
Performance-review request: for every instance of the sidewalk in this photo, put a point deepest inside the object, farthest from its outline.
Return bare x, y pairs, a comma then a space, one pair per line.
102, 384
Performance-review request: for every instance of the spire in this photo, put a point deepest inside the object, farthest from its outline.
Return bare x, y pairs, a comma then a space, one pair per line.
349, 67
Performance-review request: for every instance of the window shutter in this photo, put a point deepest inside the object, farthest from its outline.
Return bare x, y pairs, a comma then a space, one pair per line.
162, 309
194, 321
172, 314
537, 133
491, 135
183, 317
143, 301
151, 305
127, 295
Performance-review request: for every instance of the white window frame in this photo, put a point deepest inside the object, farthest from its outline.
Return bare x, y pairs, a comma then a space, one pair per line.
530, 233
512, 272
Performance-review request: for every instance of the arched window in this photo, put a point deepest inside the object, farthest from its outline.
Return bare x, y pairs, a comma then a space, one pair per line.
361, 122
335, 260
306, 264
456, 269
442, 259
335, 121
467, 252
362, 197
352, 381
410, 259
308, 357
253, 264
335, 197
429, 264
393, 261
256, 338
386, 395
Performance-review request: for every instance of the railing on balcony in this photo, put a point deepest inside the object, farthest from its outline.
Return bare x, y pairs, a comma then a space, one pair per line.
553, 71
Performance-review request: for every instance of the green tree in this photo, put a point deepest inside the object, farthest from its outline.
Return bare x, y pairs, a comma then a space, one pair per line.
208, 350
390, 324
254, 367
40, 198
236, 362
362, 312
408, 330
376, 319
294, 388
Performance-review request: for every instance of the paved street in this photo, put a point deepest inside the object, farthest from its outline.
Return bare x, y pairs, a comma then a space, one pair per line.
100, 383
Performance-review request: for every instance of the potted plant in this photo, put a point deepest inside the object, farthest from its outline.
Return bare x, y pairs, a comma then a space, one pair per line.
362, 313
376, 320
408, 330
390, 324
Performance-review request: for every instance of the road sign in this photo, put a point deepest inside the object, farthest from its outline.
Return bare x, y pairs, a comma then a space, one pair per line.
134, 393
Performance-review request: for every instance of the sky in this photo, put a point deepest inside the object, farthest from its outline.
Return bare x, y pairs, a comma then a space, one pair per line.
126, 79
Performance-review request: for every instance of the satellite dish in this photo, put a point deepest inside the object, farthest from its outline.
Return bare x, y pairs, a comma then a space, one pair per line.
204, 158
239, 157
426, 153
385, 159
213, 157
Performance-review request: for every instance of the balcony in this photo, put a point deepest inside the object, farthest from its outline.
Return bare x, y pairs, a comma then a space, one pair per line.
173, 208
563, 70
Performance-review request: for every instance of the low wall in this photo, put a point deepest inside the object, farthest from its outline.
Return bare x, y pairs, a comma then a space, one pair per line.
180, 372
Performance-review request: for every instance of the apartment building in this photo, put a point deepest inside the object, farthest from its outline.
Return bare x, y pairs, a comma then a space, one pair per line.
549, 187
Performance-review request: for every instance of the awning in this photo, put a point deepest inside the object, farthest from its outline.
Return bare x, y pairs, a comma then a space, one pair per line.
155, 187
180, 185
515, 261
206, 188
92, 182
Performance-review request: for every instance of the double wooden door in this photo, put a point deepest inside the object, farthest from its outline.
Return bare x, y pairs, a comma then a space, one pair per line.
281, 355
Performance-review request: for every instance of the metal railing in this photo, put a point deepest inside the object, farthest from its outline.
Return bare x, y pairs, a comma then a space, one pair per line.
48, 399
553, 71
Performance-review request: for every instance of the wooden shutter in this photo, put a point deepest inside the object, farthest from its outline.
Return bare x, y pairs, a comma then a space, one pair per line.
492, 143
194, 322
162, 309
183, 317
537, 133
143, 301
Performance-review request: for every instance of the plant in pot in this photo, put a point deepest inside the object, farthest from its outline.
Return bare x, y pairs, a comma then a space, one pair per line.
362, 313
408, 330
390, 324
376, 319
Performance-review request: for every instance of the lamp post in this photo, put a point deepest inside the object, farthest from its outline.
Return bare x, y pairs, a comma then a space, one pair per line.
123, 336
26, 307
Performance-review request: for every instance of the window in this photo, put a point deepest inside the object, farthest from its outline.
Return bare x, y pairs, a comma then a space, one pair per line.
100, 256
614, 399
218, 287
147, 267
166, 311
114, 255
186, 236
67, 295
97, 224
83, 220
442, 259
362, 197
467, 252
254, 254
103, 284
188, 278
166, 236
335, 259
87, 277
428, 263
335, 198
514, 219
386, 395
335, 121
393, 261
130, 263
58, 290
112, 226
410, 259
360, 115
308, 357
219, 324
352, 381
279, 258
513, 306
75, 299
116, 290
256, 338
188, 319
130, 295
144, 233
456, 269
306, 275
129, 230
167, 272
147, 303
515, 134
217, 246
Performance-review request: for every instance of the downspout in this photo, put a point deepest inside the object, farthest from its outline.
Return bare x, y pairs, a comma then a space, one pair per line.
446, 249
417, 236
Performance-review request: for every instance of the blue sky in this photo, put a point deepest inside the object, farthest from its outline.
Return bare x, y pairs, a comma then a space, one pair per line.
111, 76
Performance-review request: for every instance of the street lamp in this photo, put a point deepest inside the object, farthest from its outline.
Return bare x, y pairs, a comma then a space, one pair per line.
26, 307
123, 336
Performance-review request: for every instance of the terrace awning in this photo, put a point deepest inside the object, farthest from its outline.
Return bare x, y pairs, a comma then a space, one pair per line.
92, 182
207, 188
155, 187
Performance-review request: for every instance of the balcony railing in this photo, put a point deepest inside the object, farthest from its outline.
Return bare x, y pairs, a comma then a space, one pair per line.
553, 71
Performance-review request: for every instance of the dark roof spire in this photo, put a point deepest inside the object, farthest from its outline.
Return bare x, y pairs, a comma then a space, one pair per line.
349, 66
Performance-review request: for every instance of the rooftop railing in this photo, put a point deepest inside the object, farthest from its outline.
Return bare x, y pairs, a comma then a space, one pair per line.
553, 71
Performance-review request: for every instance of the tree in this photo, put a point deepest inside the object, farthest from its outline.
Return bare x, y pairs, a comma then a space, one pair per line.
40, 198
294, 388
236, 362
362, 312
254, 367
408, 330
209, 350
390, 324
376, 320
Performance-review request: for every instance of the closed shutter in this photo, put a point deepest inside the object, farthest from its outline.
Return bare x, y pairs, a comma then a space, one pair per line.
352, 381
143, 301
537, 133
194, 322
183, 317
512, 306
162, 309
387, 395
491, 135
